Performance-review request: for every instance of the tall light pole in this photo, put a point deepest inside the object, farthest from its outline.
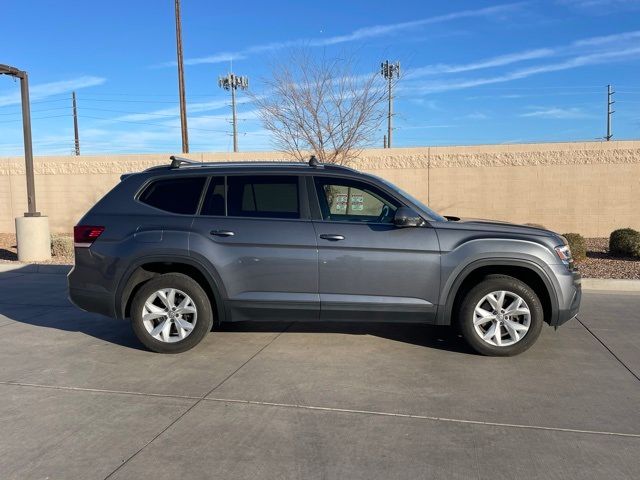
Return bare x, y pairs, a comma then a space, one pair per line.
183, 102
32, 229
390, 71
232, 82
26, 131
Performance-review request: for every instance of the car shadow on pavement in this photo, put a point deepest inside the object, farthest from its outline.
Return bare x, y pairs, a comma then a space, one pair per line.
428, 336
37, 295
58, 313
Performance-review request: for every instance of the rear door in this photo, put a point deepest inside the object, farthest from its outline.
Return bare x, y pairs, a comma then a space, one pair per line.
370, 269
257, 233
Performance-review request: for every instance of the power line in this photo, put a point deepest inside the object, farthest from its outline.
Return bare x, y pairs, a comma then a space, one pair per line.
36, 111
173, 102
130, 112
35, 118
153, 124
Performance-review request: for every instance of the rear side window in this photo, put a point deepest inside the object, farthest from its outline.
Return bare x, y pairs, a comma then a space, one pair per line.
268, 196
214, 199
174, 195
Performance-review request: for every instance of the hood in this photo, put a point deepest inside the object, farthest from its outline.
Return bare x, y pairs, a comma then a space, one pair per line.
497, 226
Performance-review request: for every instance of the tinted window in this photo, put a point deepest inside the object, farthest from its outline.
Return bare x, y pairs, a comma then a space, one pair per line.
175, 195
214, 199
352, 201
268, 196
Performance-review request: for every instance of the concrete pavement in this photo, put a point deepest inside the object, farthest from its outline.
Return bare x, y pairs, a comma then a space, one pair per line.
80, 398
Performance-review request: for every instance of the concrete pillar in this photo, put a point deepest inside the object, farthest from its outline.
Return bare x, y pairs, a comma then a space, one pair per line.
33, 238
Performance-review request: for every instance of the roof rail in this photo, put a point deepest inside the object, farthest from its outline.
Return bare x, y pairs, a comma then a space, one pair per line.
314, 163
177, 162
181, 162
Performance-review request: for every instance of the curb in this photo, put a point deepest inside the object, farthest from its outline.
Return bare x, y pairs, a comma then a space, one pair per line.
611, 284
34, 268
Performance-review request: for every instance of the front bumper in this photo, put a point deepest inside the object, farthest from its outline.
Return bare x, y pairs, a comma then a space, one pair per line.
569, 296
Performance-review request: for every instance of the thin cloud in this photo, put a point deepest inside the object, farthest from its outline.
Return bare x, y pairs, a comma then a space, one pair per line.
606, 39
607, 5
498, 61
44, 90
198, 107
557, 113
618, 40
380, 30
356, 35
575, 62
476, 116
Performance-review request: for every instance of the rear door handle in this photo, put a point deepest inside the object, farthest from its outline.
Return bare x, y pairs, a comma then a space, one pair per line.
222, 233
332, 237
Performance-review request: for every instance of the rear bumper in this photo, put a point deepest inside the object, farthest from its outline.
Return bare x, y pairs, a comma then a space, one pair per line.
90, 300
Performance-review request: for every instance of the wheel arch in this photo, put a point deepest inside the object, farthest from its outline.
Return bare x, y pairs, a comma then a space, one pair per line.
527, 271
146, 268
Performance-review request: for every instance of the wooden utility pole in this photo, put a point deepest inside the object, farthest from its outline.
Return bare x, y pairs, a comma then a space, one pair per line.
76, 141
183, 102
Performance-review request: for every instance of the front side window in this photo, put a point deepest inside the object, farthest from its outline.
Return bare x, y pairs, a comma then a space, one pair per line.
174, 195
353, 201
268, 196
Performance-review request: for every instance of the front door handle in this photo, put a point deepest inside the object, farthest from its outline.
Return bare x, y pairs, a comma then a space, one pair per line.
332, 237
222, 233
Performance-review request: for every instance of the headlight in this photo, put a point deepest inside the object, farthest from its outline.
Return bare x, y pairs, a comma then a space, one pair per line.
564, 253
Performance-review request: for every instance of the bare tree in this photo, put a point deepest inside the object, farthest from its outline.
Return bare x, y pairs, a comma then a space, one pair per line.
320, 107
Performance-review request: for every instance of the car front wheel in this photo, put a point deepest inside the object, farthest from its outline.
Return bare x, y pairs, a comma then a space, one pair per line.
501, 316
171, 313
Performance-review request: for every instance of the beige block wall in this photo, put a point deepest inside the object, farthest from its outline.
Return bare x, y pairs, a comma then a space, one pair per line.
590, 188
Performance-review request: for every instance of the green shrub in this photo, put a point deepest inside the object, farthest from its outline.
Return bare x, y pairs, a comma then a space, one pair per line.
625, 242
577, 245
61, 246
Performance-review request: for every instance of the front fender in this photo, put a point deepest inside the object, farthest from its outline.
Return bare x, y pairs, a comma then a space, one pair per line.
458, 264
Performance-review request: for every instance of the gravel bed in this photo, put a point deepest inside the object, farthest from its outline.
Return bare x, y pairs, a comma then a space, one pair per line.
9, 252
598, 264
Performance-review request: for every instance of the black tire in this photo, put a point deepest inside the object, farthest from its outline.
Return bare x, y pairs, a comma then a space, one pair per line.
187, 285
493, 283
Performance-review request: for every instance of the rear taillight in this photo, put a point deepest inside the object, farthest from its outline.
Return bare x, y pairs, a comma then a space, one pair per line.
85, 235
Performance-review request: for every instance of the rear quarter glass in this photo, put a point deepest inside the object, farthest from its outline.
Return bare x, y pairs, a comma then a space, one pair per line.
174, 195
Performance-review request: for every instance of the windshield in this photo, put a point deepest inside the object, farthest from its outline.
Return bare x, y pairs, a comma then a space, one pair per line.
434, 215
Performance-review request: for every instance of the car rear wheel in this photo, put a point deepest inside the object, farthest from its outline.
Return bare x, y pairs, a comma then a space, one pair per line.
171, 313
501, 316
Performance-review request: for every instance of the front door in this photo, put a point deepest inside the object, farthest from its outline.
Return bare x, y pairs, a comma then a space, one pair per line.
370, 269
262, 243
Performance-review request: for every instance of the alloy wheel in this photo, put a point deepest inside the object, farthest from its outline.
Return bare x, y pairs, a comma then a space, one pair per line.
501, 318
169, 315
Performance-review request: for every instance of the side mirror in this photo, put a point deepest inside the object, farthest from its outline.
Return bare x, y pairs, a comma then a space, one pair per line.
407, 217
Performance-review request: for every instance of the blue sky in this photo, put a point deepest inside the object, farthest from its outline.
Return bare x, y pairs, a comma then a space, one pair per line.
473, 71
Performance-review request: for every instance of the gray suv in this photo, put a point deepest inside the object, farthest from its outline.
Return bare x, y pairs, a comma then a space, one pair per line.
180, 248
